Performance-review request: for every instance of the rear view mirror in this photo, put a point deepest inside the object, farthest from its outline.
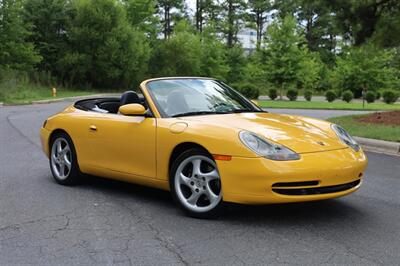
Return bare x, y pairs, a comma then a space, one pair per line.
132, 109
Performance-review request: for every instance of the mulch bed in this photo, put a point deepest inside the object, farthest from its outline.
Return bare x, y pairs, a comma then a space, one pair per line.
384, 118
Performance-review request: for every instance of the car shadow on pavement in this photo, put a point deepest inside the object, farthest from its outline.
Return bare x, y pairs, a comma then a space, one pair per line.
126, 190
303, 213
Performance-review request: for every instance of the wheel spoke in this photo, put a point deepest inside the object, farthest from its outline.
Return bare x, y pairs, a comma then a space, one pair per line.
59, 148
210, 194
62, 169
68, 164
194, 198
54, 158
211, 175
184, 180
196, 167
65, 150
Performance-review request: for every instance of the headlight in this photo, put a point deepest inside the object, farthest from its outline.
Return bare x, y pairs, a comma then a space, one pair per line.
345, 137
267, 149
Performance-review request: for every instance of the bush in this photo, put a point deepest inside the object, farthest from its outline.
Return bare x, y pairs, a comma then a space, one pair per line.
292, 94
370, 96
273, 93
347, 96
377, 95
330, 96
248, 90
390, 96
308, 95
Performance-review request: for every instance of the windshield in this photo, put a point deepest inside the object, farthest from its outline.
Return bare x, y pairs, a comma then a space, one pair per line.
184, 97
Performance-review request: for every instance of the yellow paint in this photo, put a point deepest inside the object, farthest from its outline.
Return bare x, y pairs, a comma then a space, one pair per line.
178, 127
138, 149
132, 109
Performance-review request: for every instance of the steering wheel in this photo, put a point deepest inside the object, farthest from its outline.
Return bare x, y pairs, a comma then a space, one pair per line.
222, 107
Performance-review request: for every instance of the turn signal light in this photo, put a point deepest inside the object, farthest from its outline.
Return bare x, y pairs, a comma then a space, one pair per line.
222, 157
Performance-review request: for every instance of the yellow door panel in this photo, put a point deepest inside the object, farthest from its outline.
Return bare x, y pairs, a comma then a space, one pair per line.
125, 144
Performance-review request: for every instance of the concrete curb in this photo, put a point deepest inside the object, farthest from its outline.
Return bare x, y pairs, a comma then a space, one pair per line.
1, 104
379, 146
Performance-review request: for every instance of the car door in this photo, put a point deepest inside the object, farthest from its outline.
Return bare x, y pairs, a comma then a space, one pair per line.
124, 144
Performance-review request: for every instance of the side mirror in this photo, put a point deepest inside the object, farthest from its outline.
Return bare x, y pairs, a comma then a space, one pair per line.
132, 109
255, 102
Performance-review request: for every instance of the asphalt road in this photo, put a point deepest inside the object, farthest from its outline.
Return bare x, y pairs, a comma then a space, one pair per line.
104, 222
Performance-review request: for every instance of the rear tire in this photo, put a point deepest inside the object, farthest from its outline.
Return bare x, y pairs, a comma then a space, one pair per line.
196, 184
62, 159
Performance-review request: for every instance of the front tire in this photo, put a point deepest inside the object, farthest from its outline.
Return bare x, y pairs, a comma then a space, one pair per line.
196, 184
63, 162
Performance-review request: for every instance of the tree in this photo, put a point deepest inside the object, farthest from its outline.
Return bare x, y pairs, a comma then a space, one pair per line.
365, 68
199, 14
213, 55
15, 49
389, 21
207, 14
318, 22
180, 55
105, 51
236, 61
48, 19
254, 70
359, 19
232, 20
283, 53
258, 16
167, 7
188, 53
309, 72
142, 15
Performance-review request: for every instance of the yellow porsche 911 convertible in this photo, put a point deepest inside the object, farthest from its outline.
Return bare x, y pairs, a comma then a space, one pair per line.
205, 143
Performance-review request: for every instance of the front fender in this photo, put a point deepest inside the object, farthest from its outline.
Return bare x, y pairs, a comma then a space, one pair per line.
215, 139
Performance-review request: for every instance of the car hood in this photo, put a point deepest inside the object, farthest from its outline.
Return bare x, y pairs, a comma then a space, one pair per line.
300, 134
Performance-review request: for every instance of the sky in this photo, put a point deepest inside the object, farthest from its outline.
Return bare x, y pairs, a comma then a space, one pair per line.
191, 5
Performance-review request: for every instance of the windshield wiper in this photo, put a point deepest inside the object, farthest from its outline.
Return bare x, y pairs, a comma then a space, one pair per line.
198, 113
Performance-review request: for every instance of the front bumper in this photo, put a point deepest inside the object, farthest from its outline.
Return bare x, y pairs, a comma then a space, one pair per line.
44, 139
315, 176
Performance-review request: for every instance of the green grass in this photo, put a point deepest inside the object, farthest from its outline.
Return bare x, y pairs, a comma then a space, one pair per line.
30, 93
366, 130
326, 105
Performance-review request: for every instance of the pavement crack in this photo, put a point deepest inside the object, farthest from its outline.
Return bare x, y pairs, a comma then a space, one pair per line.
19, 131
64, 227
146, 221
166, 244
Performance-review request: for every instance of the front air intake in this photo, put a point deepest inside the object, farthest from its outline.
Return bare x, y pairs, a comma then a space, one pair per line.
315, 190
295, 184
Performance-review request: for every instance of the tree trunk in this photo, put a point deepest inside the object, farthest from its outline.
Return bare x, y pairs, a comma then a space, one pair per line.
259, 23
231, 12
167, 22
199, 15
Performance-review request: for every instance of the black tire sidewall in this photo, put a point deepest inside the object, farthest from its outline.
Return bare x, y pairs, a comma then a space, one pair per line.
74, 174
213, 213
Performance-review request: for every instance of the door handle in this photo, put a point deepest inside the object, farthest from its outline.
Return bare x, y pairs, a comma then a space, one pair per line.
93, 128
